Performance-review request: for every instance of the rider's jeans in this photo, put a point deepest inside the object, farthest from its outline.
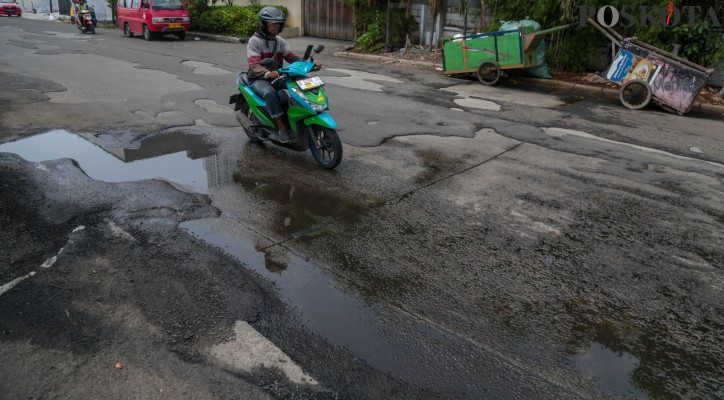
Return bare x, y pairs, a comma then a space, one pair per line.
264, 89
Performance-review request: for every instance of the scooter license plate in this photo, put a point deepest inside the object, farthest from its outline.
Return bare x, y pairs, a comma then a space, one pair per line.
310, 83
174, 26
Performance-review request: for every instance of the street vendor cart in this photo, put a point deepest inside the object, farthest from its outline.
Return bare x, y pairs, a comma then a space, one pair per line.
646, 73
487, 54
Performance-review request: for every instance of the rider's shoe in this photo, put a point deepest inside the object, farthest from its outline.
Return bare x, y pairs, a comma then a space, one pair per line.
284, 136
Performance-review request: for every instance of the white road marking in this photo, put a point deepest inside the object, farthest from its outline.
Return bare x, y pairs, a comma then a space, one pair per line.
49, 262
250, 350
119, 232
6, 287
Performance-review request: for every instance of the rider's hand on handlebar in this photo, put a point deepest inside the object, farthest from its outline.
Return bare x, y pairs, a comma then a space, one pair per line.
317, 65
272, 75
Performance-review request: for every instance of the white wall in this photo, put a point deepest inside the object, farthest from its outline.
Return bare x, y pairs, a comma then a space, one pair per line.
426, 35
41, 6
103, 12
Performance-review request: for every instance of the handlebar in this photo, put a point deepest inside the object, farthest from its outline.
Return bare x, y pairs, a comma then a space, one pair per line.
281, 77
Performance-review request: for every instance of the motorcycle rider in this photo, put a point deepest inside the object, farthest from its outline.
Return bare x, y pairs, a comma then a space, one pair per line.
80, 7
266, 43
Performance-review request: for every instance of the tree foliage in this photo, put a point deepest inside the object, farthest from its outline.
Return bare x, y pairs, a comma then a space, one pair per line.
371, 23
572, 49
240, 21
112, 4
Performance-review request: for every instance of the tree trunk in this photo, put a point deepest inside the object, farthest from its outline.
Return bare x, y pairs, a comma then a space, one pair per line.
465, 22
483, 23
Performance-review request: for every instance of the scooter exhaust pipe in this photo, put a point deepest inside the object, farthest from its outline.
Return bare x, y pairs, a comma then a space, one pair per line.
244, 120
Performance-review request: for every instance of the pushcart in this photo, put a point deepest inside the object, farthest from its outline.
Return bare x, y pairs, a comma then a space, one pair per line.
646, 73
487, 54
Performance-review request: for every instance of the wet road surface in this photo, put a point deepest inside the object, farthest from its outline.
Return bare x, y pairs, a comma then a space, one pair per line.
531, 251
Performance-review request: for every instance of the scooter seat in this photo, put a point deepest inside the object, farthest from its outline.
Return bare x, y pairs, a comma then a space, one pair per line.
244, 78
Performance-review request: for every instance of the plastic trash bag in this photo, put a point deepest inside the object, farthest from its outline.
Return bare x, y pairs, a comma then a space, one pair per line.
541, 68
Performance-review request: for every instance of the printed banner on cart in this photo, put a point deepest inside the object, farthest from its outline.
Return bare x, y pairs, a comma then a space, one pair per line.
673, 85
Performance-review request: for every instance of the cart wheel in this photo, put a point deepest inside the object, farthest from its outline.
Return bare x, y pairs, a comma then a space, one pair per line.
488, 72
635, 94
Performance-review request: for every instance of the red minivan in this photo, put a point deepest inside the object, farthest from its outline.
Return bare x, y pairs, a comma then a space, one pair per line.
153, 17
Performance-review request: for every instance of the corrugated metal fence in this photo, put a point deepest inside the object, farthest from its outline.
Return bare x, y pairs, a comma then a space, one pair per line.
328, 19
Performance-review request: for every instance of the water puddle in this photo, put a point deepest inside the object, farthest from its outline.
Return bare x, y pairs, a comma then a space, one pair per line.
611, 372
176, 158
189, 163
344, 318
303, 209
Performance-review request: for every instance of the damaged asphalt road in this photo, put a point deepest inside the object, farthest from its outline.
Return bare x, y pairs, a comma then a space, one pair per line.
148, 297
473, 243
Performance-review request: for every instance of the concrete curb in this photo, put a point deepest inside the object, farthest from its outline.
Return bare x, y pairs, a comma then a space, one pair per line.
551, 83
218, 38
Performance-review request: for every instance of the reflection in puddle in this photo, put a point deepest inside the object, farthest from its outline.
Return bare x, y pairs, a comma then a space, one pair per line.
610, 372
175, 158
305, 209
342, 317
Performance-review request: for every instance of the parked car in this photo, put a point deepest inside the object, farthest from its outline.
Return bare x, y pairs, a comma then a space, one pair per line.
10, 9
153, 17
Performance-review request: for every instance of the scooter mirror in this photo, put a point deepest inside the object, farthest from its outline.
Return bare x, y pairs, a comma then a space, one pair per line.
266, 62
307, 53
319, 48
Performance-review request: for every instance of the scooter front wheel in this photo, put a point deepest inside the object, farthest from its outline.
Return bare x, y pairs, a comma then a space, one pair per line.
325, 146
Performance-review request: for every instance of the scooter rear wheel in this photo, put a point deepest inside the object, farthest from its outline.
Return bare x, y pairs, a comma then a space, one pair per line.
325, 146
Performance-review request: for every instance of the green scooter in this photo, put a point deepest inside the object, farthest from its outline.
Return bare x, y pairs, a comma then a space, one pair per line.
305, 106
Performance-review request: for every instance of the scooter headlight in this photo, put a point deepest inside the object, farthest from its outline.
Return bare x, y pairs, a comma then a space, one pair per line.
314, 106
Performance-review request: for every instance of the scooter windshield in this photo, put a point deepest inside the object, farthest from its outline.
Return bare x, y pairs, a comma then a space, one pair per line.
299, 68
